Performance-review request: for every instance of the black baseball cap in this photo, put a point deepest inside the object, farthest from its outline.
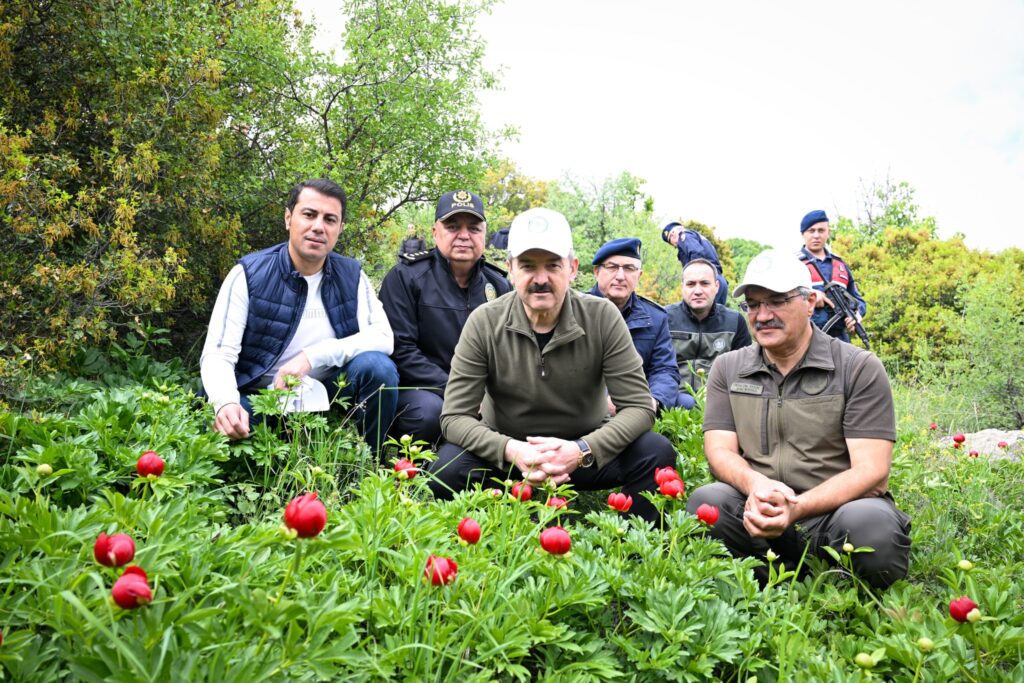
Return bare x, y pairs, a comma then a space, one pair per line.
459, 201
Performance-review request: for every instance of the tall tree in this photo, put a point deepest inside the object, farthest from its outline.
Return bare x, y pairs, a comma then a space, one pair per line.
145, 146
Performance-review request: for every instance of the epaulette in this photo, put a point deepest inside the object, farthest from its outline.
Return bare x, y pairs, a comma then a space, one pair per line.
503, 272
414, 257
653, 303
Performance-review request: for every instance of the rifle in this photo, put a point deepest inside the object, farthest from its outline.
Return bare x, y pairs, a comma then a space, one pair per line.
845, 306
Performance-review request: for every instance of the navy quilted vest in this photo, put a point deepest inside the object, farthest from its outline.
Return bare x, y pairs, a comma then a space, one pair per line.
277, 296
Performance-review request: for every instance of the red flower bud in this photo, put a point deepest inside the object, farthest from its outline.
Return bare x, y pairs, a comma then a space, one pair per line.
933, 426
707, 514
469, 530
440, 570
1003, 445
132, 589
555, 540
150, 464
960, 607
406, 469
620, 502
673, 488
557, 503
114, 551
522, 491
959, 438
306, 515
973, 454
957, 444
663, 474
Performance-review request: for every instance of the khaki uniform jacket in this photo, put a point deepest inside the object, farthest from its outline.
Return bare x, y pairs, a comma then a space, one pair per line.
794, 429
560, 392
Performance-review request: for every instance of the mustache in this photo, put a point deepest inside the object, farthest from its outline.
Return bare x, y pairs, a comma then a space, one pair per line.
768, 325
540, 289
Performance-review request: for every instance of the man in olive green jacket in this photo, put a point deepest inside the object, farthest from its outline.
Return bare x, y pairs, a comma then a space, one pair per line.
529, 380
799, 431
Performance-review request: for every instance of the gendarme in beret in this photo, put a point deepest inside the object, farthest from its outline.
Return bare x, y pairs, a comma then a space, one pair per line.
624, 246
814, 217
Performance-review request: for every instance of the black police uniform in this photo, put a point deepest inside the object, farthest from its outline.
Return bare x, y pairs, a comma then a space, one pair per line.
427, 310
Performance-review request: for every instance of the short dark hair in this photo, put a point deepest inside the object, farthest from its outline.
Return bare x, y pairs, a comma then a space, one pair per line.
699, 261
324, 186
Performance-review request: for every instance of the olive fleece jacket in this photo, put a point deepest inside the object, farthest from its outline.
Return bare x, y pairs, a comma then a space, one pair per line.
560, 392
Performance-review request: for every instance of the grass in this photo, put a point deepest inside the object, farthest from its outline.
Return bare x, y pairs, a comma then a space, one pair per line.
235, 598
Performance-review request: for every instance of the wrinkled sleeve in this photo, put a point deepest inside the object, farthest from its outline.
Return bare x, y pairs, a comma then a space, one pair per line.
663, 370
374, 333
627, 387
400, 298
224, 339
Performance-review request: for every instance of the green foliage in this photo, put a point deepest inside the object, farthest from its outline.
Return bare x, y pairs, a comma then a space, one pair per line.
983, 367
236, 598
157, 144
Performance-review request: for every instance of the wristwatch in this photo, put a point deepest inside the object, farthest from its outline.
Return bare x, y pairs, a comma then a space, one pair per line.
587, 458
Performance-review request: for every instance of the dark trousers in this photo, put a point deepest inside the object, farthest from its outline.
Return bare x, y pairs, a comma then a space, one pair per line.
866, 522
419, 414
633, 470
370, 378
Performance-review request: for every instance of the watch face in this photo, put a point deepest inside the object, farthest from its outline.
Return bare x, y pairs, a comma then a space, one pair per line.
588, 459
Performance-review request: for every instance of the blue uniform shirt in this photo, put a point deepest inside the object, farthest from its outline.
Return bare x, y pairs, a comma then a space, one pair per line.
648, 325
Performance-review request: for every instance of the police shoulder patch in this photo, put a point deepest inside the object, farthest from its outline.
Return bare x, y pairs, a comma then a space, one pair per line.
652, 303
415, 256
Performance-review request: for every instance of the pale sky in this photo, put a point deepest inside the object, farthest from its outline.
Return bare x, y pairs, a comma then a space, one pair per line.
745, 115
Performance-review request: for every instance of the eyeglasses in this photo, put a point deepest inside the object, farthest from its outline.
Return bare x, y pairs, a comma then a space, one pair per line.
771, 305
627, 268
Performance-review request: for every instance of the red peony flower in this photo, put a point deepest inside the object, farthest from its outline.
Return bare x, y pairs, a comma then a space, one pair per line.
673, 488
973, 454
406, 469
555, 540
933, 426
306, 515
469, 530
961, 607
707, 514
150, 464
114, 551
620, 502
557, 503
959, 438
1003, 445
440, 570
132, 589
663, 474
522, 491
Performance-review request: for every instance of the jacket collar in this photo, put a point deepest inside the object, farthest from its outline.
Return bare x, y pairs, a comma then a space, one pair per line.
288, 269
818, 356
566, 329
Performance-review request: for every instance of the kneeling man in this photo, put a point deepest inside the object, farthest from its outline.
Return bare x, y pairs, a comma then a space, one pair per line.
799, 430
527, 391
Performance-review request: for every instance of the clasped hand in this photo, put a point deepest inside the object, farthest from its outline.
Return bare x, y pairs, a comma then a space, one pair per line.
543, 458
769, 509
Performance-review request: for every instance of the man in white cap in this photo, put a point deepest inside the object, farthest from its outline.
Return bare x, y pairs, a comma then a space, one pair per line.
526, 394
799, 430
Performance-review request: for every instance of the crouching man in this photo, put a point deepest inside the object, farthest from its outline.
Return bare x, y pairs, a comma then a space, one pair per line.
799, 431
526, 395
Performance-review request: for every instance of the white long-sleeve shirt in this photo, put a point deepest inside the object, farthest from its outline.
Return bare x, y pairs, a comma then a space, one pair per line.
314, 335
